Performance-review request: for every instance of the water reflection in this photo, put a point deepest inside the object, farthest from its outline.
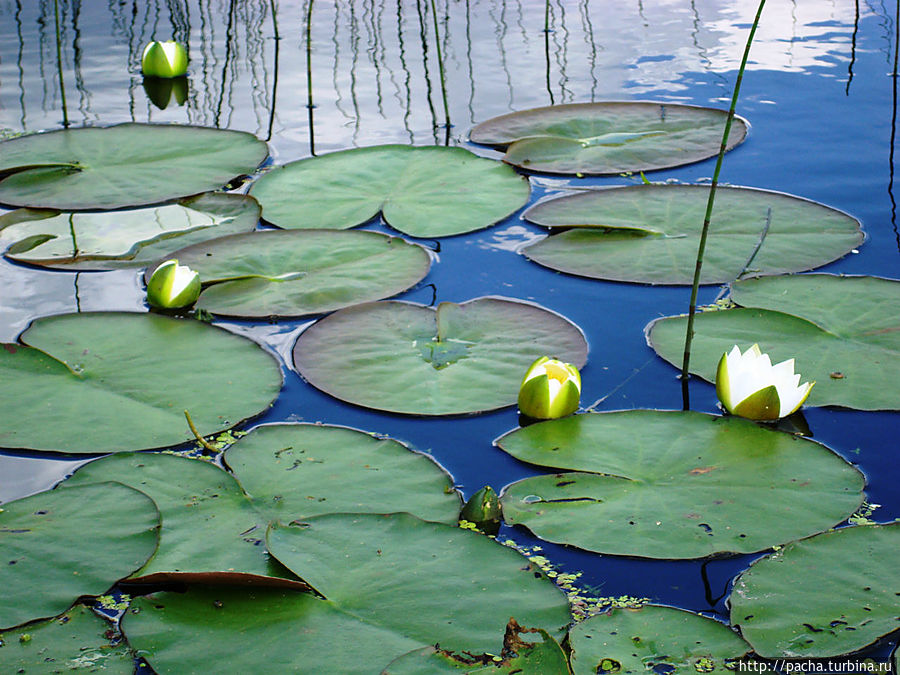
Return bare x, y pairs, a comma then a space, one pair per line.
382, 57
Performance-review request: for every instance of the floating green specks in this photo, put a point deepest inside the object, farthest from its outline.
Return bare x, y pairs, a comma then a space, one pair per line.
57, 546
650, 234
663, 484
77, 641
421, 191
458, 358
653, 639
842, 332
828, 595
298, 273
609, 137
122, 165
115, 381
126, 238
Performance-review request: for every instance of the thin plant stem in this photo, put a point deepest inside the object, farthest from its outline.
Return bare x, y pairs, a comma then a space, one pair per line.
59, 68
309, 81
440, 60
202, 441
695, 286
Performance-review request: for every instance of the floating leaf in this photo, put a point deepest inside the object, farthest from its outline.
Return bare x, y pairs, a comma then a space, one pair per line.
407, 358
391, 584
128, 238
609, 137
214, 523
60, 545
828, 595
421, 191
653, 639
650, 234
518, 657
662, 484
75, 641
843, 332
297, 273
111, 381
122, 165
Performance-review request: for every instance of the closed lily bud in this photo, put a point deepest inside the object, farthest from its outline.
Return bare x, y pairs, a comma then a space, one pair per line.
173, 286
483, 511
164, 59
749, 385
550, 389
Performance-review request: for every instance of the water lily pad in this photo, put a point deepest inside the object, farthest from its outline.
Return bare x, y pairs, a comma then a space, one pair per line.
459, 358
297, 273
609, 137
126, 238
214, 522
112, 381
842, 332
518, 657
421, 191
75, 641
122, 165
390, 584
654, 639
650, 234
60, 545
828, 595
662, 484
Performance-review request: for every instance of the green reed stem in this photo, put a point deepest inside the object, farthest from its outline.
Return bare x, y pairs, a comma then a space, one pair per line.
59, 68
440, 60
692, 310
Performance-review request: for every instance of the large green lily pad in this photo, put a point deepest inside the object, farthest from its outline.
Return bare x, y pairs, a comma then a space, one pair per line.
389, 584
421, 191
609, 137
650, 234
459, 358
518, 657
662, 484
122, 165
76, 641
843, 332
828, 595
298, 273
115, 381
214, 523
654, 639
60, 545
128, 238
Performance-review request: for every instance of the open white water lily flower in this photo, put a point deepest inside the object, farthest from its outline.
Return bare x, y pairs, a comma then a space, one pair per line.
550, 389
173, 286
750, 386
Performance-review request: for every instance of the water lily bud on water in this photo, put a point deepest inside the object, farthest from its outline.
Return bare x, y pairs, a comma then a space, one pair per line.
164, 59
483, 510
750, 386
173, 286
550, 389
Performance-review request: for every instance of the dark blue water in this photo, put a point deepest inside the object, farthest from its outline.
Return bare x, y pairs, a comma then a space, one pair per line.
819, 94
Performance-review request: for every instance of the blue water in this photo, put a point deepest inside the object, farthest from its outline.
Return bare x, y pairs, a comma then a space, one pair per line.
819, 94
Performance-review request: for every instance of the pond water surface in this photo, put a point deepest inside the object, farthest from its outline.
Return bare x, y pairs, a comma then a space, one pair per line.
820, 93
